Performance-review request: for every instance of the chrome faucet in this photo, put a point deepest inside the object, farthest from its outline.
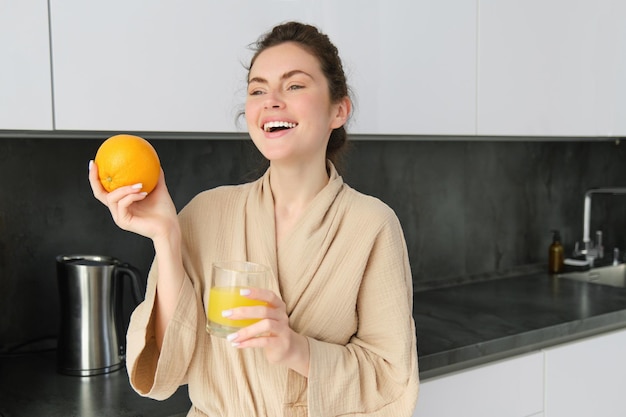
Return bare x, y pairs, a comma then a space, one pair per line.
587, 211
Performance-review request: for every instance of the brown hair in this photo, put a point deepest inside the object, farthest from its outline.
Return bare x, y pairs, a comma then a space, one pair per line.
319, 45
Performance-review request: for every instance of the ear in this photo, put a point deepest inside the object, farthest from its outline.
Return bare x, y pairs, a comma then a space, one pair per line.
341, 111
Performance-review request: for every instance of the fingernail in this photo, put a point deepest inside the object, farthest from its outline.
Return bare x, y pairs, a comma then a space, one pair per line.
244, 291
227, 313
90, 164
231, 337
137, 186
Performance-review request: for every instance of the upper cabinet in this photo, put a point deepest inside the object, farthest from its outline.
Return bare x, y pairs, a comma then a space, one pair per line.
552, 68
25, 87
156, 65
411, 63
147, 65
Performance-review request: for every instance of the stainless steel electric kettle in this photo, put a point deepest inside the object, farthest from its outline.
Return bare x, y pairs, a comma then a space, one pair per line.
92, 335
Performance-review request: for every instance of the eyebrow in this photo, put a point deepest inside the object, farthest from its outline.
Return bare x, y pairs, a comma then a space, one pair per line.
285, 76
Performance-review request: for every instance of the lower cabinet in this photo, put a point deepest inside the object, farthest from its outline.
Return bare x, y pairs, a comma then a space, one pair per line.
512, 387
583, 378
587, 377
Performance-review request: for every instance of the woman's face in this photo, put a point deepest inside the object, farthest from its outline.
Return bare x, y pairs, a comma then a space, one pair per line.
288, 109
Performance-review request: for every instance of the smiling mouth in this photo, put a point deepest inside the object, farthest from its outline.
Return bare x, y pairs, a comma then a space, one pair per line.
279, 125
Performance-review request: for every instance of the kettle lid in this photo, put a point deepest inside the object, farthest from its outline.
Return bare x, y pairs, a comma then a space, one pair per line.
87, 260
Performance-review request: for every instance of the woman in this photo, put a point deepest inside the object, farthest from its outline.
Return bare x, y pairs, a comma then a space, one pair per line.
337, 336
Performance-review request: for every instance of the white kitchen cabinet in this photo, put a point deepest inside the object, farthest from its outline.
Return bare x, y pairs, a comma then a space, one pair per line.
508, 388
552, 68
412, 63
25, 87
157, 65
587, 377
179, 66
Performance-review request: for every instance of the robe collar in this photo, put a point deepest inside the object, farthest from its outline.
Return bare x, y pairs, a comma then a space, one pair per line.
307, 234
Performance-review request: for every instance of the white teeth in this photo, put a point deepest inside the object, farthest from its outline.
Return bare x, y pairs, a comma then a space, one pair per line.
270, 125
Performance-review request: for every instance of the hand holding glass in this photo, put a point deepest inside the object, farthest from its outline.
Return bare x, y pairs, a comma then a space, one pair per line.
229, 278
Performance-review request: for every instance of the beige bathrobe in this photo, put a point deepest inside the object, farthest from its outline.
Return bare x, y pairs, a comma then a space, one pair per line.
344, 275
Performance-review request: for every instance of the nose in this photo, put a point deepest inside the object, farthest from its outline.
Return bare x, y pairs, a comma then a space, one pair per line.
273, 100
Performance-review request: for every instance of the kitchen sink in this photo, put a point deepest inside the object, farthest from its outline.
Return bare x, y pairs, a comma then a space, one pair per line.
614, 275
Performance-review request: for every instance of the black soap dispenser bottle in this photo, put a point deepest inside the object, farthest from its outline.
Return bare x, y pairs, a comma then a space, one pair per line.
555, 254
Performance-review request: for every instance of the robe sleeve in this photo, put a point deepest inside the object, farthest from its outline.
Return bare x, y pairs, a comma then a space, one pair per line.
376, 373
157, 374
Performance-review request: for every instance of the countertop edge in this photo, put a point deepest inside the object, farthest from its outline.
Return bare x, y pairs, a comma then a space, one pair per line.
455, 360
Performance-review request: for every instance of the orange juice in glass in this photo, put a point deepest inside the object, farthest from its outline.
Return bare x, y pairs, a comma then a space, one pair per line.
229, 278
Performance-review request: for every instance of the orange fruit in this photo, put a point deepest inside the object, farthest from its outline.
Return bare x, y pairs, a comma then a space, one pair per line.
127, 160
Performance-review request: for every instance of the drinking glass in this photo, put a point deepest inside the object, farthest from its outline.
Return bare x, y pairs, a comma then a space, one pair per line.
229, 278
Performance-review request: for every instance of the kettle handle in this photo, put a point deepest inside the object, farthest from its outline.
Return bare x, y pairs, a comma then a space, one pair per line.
125, 269
135, 280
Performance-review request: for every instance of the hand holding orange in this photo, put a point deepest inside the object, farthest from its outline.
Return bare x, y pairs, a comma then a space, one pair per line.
127, 160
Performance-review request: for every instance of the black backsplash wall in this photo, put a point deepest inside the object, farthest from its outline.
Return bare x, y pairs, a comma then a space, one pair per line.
469, 209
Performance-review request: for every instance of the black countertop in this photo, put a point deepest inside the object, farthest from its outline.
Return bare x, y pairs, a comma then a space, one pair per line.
471, 324
457, 327
31, 387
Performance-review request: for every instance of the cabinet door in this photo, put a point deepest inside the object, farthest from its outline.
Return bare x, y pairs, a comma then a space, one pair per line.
586, 378
553, 68
154, 65
25, 88
158, 65
510, 388
411, 63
